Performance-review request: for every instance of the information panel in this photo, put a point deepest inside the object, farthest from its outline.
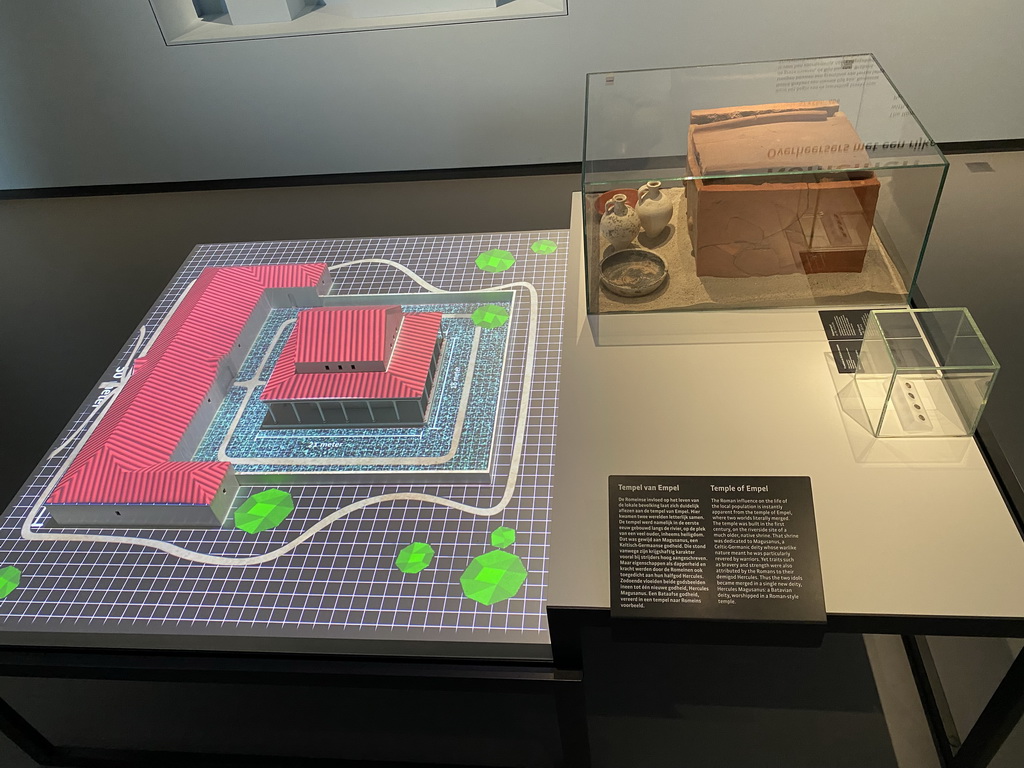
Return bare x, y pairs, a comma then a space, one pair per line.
844, 329
714, 548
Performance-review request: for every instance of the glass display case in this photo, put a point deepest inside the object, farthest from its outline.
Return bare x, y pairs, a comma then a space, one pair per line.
802, 182
924, 373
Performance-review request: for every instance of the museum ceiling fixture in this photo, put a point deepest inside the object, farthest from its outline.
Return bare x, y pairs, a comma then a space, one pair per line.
185, 22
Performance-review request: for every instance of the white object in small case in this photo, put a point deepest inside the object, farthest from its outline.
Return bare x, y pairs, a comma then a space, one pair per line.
653, 208
620, 223
911, 407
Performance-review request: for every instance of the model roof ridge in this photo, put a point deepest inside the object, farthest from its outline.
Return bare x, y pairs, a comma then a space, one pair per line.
343, 335
391, 349
161, 483
417, 328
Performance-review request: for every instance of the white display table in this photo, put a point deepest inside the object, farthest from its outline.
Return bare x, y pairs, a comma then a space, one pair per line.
907, 528
914, 534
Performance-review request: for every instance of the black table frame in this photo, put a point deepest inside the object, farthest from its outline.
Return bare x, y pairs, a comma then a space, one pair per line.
266, 669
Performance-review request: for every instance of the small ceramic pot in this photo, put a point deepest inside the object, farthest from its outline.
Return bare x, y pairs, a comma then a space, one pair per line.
653, 208
620, 224
601, 205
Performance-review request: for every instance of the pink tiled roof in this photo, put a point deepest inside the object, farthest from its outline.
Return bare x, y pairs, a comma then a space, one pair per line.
340, 334
406, 376
126, 458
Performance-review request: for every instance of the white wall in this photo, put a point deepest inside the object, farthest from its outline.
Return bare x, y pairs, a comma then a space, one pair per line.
89, 93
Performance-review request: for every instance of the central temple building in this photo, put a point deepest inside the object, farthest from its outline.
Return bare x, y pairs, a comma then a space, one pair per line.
355, 367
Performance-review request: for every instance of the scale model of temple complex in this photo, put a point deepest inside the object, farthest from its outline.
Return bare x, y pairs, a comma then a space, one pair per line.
259, 376
310, 442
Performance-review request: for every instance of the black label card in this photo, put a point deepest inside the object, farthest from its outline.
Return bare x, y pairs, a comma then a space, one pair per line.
718, 548
846, 354
844, 329
840, 324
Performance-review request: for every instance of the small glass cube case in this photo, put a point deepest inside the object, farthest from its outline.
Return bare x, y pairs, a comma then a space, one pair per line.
924, 372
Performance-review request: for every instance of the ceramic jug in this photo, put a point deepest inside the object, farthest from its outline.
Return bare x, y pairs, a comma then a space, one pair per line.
653, 208
620, 224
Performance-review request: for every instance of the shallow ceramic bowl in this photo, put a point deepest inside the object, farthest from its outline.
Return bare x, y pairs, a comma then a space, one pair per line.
634, 272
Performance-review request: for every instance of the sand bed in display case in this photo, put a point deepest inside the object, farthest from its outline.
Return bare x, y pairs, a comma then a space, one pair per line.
792, 183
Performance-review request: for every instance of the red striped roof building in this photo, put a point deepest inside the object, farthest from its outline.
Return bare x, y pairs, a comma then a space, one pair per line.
355, 366
346, 338
128, 460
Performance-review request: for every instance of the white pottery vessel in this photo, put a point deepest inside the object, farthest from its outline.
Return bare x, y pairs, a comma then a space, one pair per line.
653, 208
620, 224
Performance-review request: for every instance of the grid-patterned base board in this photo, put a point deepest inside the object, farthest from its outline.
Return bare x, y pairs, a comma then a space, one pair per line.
328, 571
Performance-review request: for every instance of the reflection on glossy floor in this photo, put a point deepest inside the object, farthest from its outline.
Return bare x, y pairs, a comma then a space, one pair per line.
81, 271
